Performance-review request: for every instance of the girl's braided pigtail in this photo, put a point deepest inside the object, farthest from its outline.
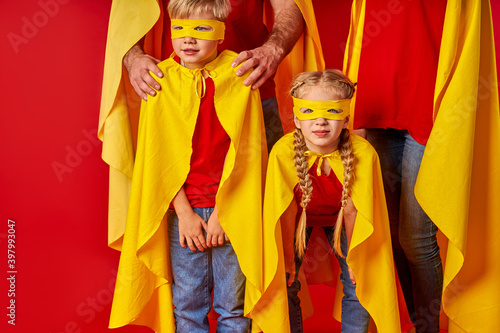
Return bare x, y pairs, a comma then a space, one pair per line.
345, 150
300, 161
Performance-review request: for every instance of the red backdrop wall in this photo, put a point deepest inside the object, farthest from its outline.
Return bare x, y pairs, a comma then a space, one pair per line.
53, 182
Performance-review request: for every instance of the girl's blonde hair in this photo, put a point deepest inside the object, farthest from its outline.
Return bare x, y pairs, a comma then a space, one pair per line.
342, 88
182, 9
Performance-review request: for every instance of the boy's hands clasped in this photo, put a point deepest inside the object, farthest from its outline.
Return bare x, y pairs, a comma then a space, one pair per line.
215, 233
191, 227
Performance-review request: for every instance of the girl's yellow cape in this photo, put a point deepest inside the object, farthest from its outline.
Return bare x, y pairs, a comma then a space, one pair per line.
370, 254
143, 293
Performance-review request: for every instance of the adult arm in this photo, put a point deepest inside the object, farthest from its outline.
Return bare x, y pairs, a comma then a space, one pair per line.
138, 64
287, 28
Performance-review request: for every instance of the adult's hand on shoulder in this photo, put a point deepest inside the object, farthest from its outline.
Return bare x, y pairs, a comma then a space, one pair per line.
139, 65
287, 28
264, 60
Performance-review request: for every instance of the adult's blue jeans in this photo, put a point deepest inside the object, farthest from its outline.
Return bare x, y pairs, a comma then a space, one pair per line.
272, 121
355, 318
194, 276
415, 247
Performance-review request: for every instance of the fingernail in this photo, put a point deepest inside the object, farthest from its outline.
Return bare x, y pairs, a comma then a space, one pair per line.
152, 92
157, 86
233, 64
160, 74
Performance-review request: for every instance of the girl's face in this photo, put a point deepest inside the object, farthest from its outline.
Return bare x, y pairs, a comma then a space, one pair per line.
321, 135
195, 53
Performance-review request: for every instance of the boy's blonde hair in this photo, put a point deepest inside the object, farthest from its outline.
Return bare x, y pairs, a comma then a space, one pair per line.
182, 9
342, 88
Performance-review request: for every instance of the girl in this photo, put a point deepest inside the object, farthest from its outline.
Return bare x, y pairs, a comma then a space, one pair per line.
321, 175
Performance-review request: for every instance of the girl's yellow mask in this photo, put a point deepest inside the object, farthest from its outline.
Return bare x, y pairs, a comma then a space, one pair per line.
320, 109
184, 27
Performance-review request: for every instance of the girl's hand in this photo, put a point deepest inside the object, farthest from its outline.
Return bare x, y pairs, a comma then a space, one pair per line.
215, 233
351, 276
191, 227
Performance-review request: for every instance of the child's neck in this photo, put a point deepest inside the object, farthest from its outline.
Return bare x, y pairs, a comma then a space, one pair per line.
198, 65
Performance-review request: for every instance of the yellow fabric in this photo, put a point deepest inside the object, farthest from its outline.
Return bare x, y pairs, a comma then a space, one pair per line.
320, 158
143, 292
306, 56
320, 109
183, 28
353, 48
370, 254
129, 21
459, 181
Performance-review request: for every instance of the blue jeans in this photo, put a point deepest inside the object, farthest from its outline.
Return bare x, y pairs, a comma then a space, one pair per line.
272, 121
415, 247
194, 276
355, 318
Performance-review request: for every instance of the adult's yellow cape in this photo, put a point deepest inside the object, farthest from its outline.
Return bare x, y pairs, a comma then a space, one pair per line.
370, 253
459, 179
143, 292
130, 20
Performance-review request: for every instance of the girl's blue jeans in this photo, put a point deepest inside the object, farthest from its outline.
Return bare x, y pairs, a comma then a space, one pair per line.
355, 318
196, 273
413, 234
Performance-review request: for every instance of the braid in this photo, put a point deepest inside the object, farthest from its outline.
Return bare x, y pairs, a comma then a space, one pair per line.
300, 161
345, 150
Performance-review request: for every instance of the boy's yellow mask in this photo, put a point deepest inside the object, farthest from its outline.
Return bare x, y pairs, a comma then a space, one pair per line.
320, 109
185, 27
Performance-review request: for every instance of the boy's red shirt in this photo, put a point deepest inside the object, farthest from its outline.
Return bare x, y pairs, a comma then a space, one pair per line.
210, 145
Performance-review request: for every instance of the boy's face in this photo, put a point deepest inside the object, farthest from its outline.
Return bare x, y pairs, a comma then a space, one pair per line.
193, 52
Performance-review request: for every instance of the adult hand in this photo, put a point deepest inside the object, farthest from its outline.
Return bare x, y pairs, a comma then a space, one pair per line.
215, 233
138, 65
287, 28
264, 60
191, 227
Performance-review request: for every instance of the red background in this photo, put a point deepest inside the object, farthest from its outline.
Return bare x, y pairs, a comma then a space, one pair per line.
53, 181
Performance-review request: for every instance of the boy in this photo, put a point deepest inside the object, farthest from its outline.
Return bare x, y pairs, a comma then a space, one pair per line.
198, 184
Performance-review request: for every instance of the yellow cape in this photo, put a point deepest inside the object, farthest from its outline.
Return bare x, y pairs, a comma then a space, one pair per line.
459, 182
370, 254
130, 20
143, 289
